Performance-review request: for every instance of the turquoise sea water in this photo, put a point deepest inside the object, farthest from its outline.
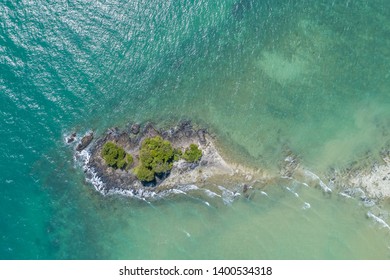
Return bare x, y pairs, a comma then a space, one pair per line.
312, 76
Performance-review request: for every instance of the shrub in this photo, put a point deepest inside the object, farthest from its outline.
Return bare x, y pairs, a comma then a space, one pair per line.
116, 156
177, 153
192, 154
129, 159
144, 174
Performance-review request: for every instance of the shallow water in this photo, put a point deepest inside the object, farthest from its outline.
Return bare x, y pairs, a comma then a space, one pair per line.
263, 75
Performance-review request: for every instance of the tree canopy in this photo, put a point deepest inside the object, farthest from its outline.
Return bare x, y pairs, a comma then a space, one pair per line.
115, 156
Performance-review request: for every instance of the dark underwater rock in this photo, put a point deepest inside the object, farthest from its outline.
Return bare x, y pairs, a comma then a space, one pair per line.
240, 7
71, 138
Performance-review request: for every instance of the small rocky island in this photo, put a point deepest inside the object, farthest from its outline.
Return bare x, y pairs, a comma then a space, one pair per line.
144, 161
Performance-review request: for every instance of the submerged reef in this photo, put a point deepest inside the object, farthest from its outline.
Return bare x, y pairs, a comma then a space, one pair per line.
366, 179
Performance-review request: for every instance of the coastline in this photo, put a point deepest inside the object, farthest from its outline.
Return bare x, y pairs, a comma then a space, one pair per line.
212, 171
370, 176
369, 182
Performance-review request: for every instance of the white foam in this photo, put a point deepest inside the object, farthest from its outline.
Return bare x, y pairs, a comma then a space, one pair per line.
187, 188
358, 193
187, 233
354, 192
289, 159
378, 220
84, 156
345, 195
227, 195
324, 187
368, 202
92, 177
291, 191
180, 190
177, 191
211, 194
315, 178
306, 206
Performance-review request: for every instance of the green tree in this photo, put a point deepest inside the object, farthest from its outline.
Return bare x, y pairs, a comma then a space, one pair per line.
192, 154
115, 156
144, 174
156, 157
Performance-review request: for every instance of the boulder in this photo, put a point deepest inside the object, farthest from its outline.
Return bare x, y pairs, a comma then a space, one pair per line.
85, 141
135, 128
150, 131
71, 138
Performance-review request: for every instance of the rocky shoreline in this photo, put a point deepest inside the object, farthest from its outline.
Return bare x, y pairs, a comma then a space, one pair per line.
209, 170
370, 176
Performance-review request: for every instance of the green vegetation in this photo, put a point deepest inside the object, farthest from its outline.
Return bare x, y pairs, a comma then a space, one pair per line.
177, 153
156, 157
192, 154
144, 174
116, 156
